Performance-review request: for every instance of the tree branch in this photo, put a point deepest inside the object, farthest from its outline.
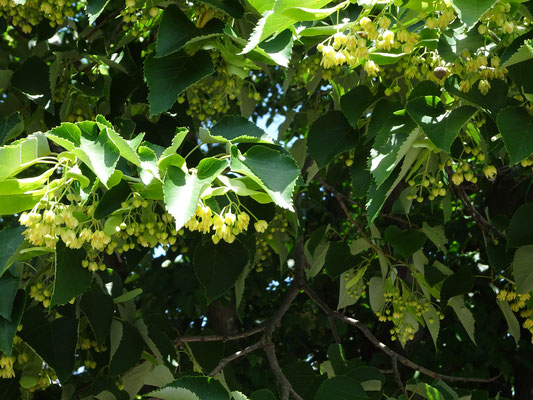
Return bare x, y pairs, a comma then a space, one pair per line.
397, 376
286, 387
221, 338
234, 356
384, 348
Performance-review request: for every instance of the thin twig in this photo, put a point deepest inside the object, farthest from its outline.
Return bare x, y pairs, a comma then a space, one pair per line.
221, 338
286, 387
384, 348
241, 353
397, 376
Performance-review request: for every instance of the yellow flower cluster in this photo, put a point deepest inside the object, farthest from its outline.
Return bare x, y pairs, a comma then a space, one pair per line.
518, 303
32, 12
265, 234
226, 225
6, 366
136, 18
353, 46
41, 293
46, 226
215, 94
397, 302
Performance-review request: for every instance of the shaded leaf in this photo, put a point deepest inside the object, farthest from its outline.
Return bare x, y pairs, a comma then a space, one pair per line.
169, 76
98, 308
218, 266
54, 341
329, 136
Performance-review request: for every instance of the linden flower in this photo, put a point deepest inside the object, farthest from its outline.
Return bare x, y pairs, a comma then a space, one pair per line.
490, 171
371, 68
508, 27
261, 226
484, 86
457, 178
365, 21
403, 35
384, 23
339, 39
229, 218
465, 86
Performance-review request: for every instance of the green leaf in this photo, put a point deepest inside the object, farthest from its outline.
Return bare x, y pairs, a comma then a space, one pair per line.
207, 354
316, 249
95, 8
112, 200
524, 53
471, 10
169, 76
9, 285
329, 136
71, 279
235, 129
11, 239
376, 293
339, 259
404, 242
385, 58
127, 296
433, 323
452, 43
464, 315
355, 102
279, 48
126, 347
441, 126
512, 323
175, 30
32, 79
311, 14
516, 127
520, 232
202, 388
370, 378
459, 283
21, 154
274, 171
179, 137
376, 196
126, 150
273, 20
182, 191
10, 127
493, 101
350, 287
337, 358
8, 326
218, 267
340, 388
523, 270
437, 235
98, 308
303, 378
90, 144
390, 146
54, 341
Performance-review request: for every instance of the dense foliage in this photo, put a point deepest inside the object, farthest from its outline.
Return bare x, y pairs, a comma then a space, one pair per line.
230, 199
